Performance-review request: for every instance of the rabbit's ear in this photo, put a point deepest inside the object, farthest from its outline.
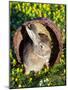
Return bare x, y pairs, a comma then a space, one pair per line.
34, 36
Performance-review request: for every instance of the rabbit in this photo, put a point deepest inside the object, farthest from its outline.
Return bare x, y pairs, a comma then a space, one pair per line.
36, 55
35, 43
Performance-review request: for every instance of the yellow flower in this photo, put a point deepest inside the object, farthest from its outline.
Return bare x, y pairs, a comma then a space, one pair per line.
19, 85
61, 60
47, 79
48, 8
40, 5
16, 79
12, 72
56, 5
44, 6
40, 14
19, 6
22, 65
64, 71
49, 13
20, 70
62, 7
54, 13
48, 5
62, 56
35, 5
11, 54
45, 15
32, 11
30, 79
16, 7
12, 78
45, 70
17, 69
14, 62
39, 72
49, 84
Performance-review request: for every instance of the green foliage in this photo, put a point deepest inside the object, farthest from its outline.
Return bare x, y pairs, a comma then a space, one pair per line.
19, 13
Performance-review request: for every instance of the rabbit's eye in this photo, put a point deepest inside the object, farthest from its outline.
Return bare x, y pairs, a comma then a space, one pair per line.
41, 46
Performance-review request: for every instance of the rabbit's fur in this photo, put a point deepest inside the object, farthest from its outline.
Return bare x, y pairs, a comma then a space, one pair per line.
38, 54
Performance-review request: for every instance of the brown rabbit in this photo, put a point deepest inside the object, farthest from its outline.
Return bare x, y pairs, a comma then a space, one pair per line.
36, 55
32, 44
